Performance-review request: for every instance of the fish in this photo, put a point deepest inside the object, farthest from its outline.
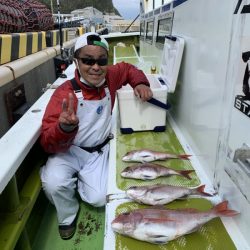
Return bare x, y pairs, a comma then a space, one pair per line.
150, 171
147, 155
161, 225
160, 194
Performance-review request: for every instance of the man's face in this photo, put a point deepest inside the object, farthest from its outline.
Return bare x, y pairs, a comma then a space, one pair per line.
95, 73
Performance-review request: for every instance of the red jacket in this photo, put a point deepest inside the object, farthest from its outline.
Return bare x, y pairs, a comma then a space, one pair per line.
53, 139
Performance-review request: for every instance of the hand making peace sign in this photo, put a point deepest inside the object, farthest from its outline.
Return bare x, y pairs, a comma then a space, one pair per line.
68, 116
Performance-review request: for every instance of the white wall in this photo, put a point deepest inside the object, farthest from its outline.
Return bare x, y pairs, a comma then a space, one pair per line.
199, 96
210, 78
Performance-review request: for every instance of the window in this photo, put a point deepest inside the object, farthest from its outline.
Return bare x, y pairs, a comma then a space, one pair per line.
149, 30
164, 28
158, 3
142, 29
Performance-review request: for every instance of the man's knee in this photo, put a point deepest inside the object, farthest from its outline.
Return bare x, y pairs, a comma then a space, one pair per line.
98, 199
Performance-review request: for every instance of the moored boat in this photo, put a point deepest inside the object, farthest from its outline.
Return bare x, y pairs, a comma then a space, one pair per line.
208, 119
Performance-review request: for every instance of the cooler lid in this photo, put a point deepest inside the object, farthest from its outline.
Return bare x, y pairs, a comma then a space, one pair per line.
171, 61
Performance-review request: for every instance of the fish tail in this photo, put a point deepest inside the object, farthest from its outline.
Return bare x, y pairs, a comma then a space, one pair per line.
184, 157
221, 209
186, 173
201, 189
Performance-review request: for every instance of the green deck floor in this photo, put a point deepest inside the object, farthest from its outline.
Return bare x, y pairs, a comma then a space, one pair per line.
128, 51
89, 233
166, 141
126, 54
91, 221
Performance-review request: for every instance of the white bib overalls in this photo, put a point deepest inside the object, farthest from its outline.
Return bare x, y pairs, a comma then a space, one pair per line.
77, 168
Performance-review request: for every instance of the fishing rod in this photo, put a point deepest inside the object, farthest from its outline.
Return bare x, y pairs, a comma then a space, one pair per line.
62, 61
131, 24
60, 27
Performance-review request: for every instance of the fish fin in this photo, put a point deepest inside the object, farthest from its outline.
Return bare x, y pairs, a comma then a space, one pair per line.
200, 190
158, 238
147, 177
222, 210
188, 210
186, 173
137, 200
184, 157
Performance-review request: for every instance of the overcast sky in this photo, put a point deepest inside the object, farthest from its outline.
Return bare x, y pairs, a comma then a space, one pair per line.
129, 9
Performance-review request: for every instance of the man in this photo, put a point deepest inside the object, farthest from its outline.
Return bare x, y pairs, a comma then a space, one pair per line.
76, 129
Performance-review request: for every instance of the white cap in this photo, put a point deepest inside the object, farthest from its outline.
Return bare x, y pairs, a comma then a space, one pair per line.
91, 38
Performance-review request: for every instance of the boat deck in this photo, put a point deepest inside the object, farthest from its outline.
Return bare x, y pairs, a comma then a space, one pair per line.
89, 233
94, 224
171, 140
91, 221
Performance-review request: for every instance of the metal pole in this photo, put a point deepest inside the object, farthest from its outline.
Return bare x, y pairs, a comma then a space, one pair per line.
130, 24
51, 6
60, 26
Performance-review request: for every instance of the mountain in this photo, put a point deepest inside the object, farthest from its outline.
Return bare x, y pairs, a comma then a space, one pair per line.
66, 6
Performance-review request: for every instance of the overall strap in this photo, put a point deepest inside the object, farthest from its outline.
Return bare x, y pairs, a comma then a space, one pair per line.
75, 86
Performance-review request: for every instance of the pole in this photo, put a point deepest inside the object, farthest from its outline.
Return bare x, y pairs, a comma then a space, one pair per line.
51, 7
60, 27
130, 24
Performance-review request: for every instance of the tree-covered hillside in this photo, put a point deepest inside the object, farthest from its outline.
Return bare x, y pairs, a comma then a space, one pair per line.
66, 6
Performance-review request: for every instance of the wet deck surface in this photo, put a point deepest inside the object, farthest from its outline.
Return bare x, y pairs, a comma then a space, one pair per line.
207, 237
91, 221
166, 141
89, 233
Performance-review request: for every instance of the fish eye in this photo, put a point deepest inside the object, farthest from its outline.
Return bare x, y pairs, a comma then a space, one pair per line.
125, 213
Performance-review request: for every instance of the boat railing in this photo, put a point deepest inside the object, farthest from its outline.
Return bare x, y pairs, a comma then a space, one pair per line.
12, 70
21, 156
17, 203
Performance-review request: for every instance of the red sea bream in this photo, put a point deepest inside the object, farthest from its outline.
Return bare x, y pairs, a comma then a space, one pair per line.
160, 225
146, 155
160, 194
150, 171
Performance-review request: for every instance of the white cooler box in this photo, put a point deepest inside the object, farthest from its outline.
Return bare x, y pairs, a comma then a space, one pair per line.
136, 115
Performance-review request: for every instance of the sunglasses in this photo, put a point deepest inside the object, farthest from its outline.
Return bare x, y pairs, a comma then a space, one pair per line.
92, 61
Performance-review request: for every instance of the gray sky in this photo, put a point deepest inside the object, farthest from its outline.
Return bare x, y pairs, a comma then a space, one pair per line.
129, 9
